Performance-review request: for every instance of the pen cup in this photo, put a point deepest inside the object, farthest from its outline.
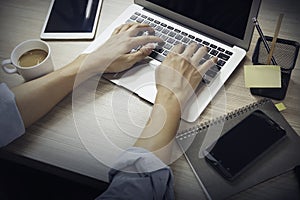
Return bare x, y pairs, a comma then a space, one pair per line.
285, 54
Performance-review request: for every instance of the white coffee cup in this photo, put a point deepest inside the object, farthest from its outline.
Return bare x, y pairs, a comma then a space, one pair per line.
29, 72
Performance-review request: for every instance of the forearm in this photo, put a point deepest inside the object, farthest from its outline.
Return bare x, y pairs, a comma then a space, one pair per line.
162, 125
35, 98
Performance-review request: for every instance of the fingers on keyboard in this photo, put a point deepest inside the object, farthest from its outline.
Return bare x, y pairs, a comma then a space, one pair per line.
173, 36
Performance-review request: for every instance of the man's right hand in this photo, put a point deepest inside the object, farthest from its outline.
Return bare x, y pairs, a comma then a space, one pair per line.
180, 73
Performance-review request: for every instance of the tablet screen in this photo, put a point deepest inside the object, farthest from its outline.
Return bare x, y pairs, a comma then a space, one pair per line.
72, 16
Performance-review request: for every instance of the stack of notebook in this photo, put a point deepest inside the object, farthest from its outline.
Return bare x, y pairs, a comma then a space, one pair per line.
283, 157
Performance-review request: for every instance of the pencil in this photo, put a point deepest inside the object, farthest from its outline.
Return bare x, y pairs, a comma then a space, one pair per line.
255, 21
275, 38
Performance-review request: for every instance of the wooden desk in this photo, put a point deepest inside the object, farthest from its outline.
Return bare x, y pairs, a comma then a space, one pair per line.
54, 139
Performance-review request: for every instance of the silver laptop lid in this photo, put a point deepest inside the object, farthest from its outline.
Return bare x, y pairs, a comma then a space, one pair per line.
225, 20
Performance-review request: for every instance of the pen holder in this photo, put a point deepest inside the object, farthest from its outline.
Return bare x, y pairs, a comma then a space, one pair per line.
285, 54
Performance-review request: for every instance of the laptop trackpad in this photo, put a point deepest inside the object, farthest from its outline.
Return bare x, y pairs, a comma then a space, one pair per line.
139, 79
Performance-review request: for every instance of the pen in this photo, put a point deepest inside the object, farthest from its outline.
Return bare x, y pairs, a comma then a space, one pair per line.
254, 20
88, 9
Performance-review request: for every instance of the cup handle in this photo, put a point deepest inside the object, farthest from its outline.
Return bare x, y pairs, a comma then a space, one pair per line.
6, 69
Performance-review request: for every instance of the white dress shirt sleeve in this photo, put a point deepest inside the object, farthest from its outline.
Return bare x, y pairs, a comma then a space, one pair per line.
139, 174
11, 123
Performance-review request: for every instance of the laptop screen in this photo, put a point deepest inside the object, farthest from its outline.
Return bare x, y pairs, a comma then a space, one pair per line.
230, 17
229, 21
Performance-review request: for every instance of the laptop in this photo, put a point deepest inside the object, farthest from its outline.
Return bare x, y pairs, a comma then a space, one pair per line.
225, 27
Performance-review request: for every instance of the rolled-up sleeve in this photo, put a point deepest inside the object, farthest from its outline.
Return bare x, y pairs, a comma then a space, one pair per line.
139, 174
11, 123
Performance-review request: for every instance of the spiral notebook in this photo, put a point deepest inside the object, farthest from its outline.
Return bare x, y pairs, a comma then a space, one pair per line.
277, 161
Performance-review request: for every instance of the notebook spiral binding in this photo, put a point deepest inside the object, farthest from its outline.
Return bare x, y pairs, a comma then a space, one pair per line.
200, 127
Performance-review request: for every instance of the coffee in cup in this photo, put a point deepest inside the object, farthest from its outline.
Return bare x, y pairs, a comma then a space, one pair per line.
31, 59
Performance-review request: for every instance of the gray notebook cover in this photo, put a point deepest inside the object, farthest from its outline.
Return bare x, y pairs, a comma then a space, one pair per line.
282, 157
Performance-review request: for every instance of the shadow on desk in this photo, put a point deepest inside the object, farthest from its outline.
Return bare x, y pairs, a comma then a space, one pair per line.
21, 182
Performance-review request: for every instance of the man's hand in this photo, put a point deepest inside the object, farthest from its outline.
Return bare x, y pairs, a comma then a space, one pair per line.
116, 53
180, 73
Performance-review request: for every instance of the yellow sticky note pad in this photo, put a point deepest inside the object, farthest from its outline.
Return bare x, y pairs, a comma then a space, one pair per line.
262, 76
280, 107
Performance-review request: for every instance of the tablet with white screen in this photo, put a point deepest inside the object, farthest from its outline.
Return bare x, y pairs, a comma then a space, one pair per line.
71, 19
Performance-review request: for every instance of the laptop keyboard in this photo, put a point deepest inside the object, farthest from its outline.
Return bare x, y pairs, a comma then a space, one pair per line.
173, 36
